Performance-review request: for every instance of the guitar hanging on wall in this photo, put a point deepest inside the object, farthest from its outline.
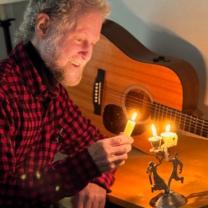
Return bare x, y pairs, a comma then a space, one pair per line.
124, 76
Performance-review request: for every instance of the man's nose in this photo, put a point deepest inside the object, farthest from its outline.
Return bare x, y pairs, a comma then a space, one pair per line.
86, 52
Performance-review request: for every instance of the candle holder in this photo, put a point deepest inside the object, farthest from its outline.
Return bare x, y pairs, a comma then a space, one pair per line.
167, 198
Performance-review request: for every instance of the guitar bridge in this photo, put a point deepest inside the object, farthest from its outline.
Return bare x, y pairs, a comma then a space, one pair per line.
98, 91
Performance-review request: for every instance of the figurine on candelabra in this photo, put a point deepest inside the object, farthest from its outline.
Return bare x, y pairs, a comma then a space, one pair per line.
160, 149
177, 169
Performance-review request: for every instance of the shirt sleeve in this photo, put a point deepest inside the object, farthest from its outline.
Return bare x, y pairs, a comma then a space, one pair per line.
62, 178
79, 133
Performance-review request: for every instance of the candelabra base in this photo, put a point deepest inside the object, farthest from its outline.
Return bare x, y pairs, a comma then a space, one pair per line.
168, 200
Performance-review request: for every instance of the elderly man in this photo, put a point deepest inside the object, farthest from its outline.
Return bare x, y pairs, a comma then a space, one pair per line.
38, 118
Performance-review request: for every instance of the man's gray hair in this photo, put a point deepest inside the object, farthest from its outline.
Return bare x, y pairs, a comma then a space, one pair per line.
62, 11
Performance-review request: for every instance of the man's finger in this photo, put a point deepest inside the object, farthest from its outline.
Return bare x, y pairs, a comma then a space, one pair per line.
123, 149
120, 140
101, 203
88, 203
77, 202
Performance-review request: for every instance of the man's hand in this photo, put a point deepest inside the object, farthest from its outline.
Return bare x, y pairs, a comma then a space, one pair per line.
92, 196
111, 152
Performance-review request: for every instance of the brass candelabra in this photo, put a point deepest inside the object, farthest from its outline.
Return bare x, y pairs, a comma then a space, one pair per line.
167, 198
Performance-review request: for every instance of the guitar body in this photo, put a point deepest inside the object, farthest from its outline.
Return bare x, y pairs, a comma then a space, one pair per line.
132, 70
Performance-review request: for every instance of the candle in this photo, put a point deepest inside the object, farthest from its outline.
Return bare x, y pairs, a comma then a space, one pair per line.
155, 140
130, 125
169, 138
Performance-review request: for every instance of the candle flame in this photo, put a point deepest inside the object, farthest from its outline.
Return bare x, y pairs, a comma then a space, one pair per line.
167, 128
154, 130
134, 115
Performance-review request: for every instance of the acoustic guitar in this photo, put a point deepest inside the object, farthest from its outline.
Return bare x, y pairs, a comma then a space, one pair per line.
124, 76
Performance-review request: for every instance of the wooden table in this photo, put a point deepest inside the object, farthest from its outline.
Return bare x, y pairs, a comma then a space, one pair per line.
132, 187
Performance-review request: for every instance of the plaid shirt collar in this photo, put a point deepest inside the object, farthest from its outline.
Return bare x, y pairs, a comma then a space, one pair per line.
34, 72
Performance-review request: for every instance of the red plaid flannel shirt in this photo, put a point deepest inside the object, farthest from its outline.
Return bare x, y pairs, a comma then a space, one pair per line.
36, 122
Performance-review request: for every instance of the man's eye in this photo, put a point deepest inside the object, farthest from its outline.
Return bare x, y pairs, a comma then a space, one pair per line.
79, 40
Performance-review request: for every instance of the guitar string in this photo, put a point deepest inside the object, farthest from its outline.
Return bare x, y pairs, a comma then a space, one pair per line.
195, 124
168, 111
182, 117
136, 100
179, 115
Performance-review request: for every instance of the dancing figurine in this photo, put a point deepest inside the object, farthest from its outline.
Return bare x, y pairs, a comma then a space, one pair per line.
177, 169
157, 183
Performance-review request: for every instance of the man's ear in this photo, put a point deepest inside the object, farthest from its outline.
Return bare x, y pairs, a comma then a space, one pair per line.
42, 25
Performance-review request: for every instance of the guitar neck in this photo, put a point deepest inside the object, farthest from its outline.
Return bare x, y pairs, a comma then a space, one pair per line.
184, 121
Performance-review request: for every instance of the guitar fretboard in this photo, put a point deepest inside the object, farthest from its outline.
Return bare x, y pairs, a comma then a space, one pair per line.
184, 121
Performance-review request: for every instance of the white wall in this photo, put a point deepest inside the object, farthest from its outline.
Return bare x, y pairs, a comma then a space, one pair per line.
14, 10
177, 28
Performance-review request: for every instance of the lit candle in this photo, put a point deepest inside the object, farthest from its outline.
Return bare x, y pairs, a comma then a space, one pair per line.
155, 140
169, 138
130, 125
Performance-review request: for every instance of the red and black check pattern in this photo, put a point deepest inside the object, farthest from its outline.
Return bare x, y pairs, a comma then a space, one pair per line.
36, 122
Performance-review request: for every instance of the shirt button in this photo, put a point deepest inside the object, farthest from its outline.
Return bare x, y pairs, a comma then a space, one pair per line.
58, 138
61, 131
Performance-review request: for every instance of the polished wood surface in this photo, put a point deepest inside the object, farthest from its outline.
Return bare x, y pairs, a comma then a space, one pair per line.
132, 188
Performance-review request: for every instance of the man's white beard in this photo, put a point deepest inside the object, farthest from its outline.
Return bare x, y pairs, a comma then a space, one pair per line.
48, 53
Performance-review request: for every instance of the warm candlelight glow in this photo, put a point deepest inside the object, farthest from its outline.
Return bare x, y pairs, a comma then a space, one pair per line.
170, 139
130, 125
167, 128
154, 130
134, 116
155, 140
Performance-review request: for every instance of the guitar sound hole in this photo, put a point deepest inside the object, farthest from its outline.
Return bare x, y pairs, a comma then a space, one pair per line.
114, 119
139, 101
